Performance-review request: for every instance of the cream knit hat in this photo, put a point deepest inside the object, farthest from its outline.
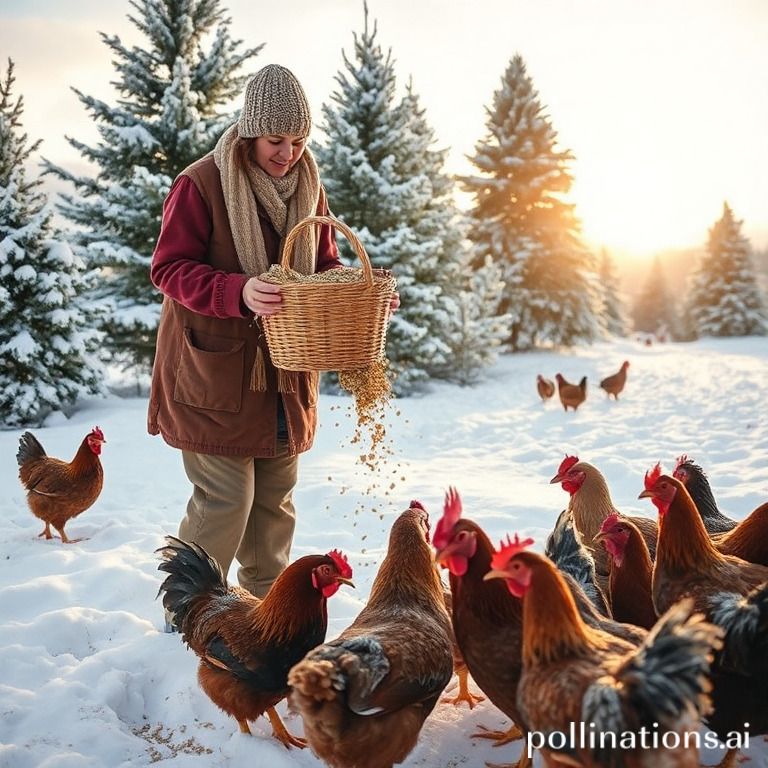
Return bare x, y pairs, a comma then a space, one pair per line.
275, 103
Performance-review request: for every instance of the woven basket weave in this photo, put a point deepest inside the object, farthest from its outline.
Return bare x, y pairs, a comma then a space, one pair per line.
330, 326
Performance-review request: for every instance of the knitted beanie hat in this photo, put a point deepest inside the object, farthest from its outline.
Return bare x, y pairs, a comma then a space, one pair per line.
275, 103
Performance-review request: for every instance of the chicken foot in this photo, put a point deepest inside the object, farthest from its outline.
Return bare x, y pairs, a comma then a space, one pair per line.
64, 538
513, 733
280, 732
46, 532
464, 693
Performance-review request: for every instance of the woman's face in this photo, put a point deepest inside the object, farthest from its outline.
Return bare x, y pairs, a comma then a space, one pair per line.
276, 154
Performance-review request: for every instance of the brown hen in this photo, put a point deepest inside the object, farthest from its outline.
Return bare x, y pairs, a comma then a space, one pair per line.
544, 387
615, 383
60, 490
365, 695
571, 395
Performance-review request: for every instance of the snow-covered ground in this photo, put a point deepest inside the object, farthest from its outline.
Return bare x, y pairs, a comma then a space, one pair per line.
89, 680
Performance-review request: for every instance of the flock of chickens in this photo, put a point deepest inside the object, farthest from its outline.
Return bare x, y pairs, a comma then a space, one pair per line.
623, 623
573, 395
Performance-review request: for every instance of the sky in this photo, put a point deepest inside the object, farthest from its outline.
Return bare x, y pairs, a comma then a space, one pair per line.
89, 680
664, 104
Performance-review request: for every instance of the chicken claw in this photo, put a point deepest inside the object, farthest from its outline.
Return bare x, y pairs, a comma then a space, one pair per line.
513, 733
464, 693
280, 732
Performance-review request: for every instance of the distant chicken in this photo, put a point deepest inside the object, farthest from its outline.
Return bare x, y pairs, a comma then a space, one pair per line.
365, 695
614, 384
246, 645
545, 387
571, 395
574, 673
590, 504
57, 490
732, 593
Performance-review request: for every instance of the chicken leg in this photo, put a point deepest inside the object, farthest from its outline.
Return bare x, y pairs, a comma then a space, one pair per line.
464, 693
280, 732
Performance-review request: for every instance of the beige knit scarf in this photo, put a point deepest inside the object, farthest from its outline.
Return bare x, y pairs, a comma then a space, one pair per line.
285, 200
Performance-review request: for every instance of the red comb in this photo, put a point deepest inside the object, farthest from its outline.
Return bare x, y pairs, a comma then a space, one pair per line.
609, 522
652, 475
681, 460
567, 463
96, 432
341, 562
416, 505
451, 516
507, 551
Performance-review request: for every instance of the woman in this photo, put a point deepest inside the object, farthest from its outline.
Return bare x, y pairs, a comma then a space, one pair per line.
215, 395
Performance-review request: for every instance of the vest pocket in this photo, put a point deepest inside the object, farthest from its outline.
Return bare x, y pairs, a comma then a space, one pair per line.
210, 373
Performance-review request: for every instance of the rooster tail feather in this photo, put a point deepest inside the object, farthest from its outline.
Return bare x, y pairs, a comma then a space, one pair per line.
583, 383
192, 572
29, 448
745, 621
666, 679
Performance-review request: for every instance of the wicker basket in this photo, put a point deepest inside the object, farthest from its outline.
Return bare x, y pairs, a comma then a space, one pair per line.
330, 326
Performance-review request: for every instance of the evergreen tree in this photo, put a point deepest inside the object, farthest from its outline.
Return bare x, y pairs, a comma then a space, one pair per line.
654, 310
166, 117
521, 221
612, 305
478, 330
385, 180
724, 298
46, 341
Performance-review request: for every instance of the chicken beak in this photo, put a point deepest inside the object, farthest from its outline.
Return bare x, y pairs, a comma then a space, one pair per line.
556, 479
494, 574
645, 494
599, 538
348, 582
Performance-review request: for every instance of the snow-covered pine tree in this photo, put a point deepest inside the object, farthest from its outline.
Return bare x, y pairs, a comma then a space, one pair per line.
167, 116
477, 330
46, 339
522, 222
724, 297
385, 180
655, 309
612, 304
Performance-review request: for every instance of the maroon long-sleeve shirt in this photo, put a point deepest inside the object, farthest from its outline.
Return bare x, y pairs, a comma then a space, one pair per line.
179, 264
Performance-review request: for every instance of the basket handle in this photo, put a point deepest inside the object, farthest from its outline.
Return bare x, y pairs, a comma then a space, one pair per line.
290, 239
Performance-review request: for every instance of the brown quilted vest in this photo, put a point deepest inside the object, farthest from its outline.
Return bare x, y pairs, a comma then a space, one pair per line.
201, 399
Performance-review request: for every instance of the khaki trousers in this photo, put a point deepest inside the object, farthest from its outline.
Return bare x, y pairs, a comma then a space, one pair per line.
242, 507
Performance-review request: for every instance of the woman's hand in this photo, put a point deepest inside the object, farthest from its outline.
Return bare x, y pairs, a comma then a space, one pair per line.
394, 302
262, 298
